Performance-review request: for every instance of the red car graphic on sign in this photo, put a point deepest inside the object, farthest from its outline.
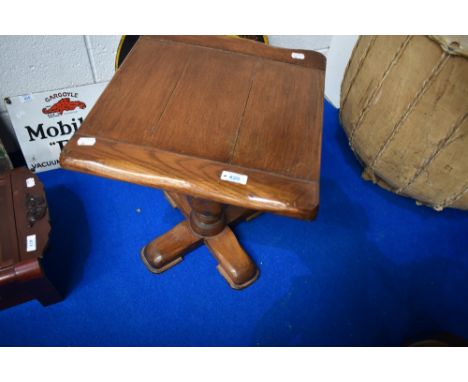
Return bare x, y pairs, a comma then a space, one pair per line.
64, 105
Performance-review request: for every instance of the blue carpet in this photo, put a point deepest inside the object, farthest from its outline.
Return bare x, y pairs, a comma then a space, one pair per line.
373, 269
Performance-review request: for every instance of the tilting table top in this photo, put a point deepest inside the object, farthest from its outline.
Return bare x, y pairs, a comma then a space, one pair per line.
220, 118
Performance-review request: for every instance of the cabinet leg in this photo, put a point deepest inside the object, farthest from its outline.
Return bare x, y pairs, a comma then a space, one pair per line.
47, 294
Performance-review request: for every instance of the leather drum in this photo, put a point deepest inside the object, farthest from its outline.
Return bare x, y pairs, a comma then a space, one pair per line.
404, 107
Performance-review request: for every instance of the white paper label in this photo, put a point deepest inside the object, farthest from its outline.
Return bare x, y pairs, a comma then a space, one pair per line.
31, 243
30, 182
297, 56
86, 141
27, 98
234, 177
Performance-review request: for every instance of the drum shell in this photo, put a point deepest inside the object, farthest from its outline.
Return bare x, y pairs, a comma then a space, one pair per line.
404, 107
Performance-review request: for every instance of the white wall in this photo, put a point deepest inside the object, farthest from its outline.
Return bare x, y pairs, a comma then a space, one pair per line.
30, 64
318, 43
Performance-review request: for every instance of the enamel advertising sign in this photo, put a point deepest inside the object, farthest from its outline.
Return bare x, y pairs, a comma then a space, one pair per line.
44, 122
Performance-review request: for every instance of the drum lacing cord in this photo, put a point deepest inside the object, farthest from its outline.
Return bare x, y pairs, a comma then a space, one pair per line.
422, 90
449, 201
358, 70
440, 146
374, 93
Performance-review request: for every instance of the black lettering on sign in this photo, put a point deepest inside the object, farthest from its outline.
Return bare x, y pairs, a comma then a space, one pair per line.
53, 131
37, 133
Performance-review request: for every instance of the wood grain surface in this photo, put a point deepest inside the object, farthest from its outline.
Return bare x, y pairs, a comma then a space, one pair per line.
40, 228
167, 250
234, 264
181, 110
8, 241
22, 277
15, 227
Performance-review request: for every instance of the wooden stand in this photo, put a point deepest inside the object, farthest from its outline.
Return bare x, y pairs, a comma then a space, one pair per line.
235, 124
207, 222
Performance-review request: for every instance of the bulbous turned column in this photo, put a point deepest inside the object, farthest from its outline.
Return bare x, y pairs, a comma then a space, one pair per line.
207, 218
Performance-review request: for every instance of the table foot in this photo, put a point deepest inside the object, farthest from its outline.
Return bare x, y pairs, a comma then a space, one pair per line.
167, 250
232, 284
235, 265
204, 220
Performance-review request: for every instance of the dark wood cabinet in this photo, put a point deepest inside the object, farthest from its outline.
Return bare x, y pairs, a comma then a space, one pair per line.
24, 236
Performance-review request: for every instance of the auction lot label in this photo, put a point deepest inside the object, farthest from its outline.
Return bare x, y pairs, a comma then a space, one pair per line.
44, 122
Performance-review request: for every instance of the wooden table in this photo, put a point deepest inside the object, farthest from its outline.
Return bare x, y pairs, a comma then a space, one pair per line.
226, 126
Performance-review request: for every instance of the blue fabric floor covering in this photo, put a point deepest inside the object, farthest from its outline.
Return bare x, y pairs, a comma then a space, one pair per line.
373, 269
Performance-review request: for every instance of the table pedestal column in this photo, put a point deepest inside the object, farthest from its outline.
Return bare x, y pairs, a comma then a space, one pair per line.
206, 222
207, 218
